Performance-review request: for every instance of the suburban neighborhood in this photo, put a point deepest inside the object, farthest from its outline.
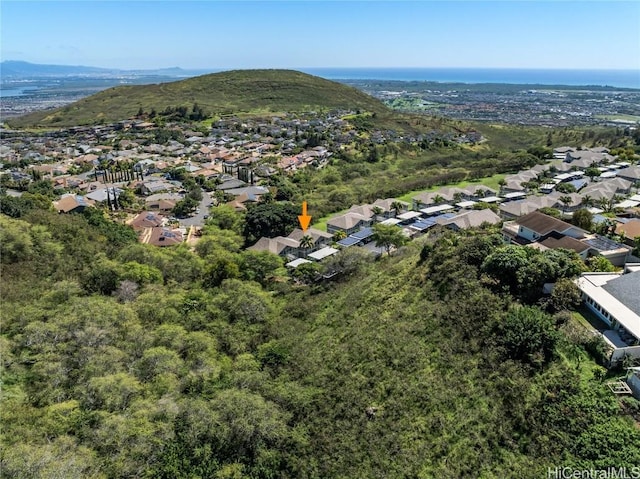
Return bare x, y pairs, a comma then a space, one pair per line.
164, 182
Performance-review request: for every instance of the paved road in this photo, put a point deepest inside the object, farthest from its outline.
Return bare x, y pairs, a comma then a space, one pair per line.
198, 219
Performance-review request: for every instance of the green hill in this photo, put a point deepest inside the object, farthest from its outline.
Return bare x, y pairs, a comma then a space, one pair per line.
123, 360
238, 91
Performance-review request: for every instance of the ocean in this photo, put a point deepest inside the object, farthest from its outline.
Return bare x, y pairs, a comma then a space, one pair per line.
613, 78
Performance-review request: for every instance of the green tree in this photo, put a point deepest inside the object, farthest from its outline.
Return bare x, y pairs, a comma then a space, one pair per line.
259, 266
583, 218
566, 201
306, 242
377, 211
529, 335
592, 172
397, 207
601, 264
306, 273
221, 267
339, 235
141, 273
270, 220
388, 236
226, 218
565, 296
550, 212
505, 262
566, 188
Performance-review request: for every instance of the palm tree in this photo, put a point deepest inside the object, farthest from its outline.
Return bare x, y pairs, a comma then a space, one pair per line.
457, 197
481, 192
377, 211
339, 235
397, 207
502, 183
438, 199
566, 201
306, 243
606, 204
587, 201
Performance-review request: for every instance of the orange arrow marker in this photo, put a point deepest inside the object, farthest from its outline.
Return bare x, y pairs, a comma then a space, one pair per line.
304, 218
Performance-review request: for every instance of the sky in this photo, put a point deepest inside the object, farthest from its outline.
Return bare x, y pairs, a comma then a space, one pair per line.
339, 33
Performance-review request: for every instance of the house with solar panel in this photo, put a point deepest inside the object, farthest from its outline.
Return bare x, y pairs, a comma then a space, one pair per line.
537, 226
162, 236
146, 219
614, 299
71, 203
544, 232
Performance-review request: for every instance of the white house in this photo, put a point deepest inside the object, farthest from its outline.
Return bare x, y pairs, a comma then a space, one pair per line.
615, 299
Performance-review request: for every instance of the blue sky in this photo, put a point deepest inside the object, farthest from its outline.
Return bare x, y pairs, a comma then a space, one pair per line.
298, 34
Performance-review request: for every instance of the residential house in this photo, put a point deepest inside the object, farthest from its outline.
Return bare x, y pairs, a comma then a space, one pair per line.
162, 201
574, 204
154, 187
630, 230
348, 222
320, 238
614, 298
515, 209
146, 219
607, 188
617, 253
100, 195
286, 247
561, 152
470, 219
566, 242
387, 206
588, 157
537, 226
231, 184
631, 174
71, 203
162, 236
251, 193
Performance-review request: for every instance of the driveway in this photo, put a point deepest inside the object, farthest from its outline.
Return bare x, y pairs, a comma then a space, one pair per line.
198, 219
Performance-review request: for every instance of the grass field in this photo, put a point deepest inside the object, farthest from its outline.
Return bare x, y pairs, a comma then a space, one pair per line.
620, 117
489, 182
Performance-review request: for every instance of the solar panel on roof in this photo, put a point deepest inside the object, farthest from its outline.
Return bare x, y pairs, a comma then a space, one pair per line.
363, 233
602, 243
444, 216
422, 225
348, 241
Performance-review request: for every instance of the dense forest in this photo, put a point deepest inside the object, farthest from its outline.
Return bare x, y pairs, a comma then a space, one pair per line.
123, 360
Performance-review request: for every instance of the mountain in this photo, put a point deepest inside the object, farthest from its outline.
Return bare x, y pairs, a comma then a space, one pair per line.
238, 91
13, 68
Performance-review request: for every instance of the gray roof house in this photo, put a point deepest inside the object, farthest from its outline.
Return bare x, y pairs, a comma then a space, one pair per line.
470, 219
631, 174
348, 222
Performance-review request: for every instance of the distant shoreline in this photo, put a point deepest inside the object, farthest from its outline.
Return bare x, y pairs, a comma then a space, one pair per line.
574, 78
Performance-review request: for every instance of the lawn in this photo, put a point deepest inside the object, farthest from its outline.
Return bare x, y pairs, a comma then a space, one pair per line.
620, 117
489, 182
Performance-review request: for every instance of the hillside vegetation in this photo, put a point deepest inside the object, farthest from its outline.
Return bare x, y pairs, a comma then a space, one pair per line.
121, 360
238, 91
